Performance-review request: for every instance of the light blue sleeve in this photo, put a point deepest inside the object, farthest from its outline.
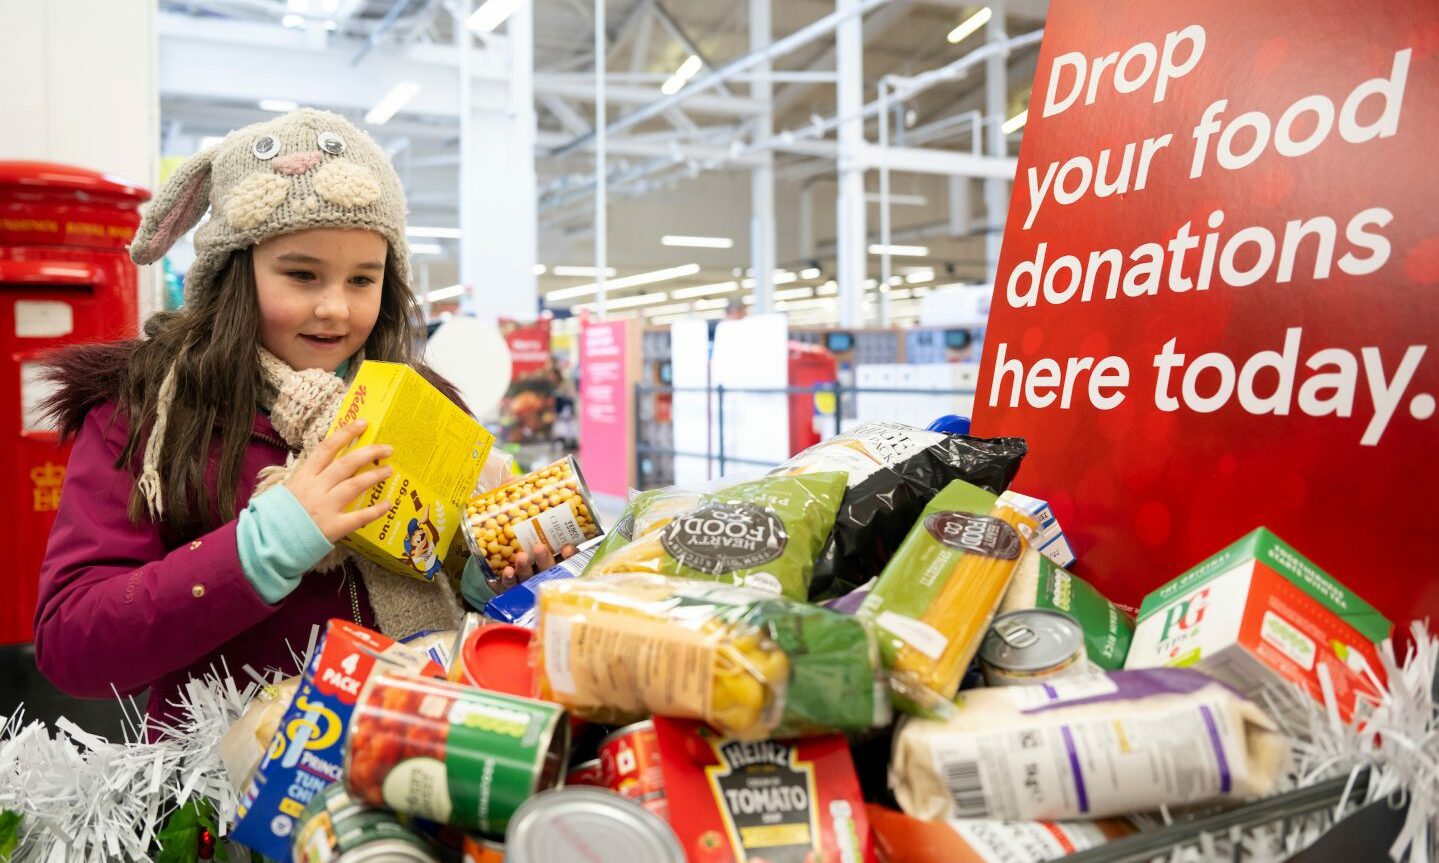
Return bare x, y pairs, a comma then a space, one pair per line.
278, 543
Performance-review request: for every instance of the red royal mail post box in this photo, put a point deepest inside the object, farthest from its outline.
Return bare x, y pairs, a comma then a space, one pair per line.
65, 277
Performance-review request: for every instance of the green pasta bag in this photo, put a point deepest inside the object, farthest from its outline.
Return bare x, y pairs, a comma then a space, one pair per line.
764, 533
623, 531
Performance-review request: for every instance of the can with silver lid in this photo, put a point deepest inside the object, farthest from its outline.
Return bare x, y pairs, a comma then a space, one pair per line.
588, 824
1032, 646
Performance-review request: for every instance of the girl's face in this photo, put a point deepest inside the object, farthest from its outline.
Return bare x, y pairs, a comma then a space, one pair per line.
319, 294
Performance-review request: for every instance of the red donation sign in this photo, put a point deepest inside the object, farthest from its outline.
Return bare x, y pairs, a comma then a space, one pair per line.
1219, 290
608, 355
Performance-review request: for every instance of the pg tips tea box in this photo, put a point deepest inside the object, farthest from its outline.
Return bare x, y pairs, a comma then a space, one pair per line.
1259, 615
439, 451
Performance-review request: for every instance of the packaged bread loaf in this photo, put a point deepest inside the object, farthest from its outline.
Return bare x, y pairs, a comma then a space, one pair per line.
618, 648
1111, 744
549, 506
762, 533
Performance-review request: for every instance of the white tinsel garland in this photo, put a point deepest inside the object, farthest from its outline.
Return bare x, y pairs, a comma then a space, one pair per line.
84, 798
1396, 740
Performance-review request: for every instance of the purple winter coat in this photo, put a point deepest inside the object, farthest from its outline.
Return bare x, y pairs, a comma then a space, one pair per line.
118, 606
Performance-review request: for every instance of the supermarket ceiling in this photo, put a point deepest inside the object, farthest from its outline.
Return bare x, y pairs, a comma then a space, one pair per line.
221, 60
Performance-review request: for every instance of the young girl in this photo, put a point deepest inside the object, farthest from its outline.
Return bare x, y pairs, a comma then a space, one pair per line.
201, 505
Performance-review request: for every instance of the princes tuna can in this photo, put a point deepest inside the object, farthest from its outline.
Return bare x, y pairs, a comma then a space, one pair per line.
630, 766
451, 753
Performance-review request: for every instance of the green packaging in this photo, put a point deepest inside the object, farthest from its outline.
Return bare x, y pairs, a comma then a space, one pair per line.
764, 533
451, 753
936, 597
1041, 583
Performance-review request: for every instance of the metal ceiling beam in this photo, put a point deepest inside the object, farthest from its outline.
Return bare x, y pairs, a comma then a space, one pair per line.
699, 86
570, 118
199, 56
378, 31
640, 48
684, 39
674, 152
1036, 10
677, 118
875, 27
581, 88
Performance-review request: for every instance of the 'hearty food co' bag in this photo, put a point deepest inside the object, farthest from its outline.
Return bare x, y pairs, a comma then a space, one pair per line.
764, 533
617, 648
893, 470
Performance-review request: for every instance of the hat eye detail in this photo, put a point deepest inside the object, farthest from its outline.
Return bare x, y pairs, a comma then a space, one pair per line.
266, 147
331, 143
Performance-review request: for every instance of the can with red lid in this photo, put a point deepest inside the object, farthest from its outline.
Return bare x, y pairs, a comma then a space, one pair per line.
630, 766
495, 656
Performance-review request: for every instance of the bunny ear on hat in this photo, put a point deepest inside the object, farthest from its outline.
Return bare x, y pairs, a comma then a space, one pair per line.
179, 207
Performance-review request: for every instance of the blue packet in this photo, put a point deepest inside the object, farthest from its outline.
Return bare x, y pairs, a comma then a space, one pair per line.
517, 605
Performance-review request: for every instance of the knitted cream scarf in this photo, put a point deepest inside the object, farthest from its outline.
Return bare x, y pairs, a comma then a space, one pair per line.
302, 404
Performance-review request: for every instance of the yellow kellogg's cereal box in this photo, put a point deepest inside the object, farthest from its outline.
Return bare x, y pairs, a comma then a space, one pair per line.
439, 451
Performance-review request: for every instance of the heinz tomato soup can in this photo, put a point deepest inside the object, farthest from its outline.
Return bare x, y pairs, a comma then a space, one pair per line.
451, 753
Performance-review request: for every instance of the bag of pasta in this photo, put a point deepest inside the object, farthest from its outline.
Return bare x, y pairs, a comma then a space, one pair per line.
617, 648
763, 533
934, 601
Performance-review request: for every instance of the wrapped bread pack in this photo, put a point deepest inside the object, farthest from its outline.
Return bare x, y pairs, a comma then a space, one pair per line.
764, 533
892, 471
617, 648
1041, 583
935, 599
1111, 744
243, 746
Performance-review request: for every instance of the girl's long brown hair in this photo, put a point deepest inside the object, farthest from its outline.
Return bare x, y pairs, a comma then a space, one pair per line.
212, 343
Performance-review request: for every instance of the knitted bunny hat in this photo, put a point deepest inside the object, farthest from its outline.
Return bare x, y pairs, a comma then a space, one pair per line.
306, 169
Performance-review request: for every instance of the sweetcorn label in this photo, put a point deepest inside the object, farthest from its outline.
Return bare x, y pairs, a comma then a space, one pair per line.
439, 451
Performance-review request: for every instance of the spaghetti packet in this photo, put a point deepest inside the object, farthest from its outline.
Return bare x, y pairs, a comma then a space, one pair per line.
934, 601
